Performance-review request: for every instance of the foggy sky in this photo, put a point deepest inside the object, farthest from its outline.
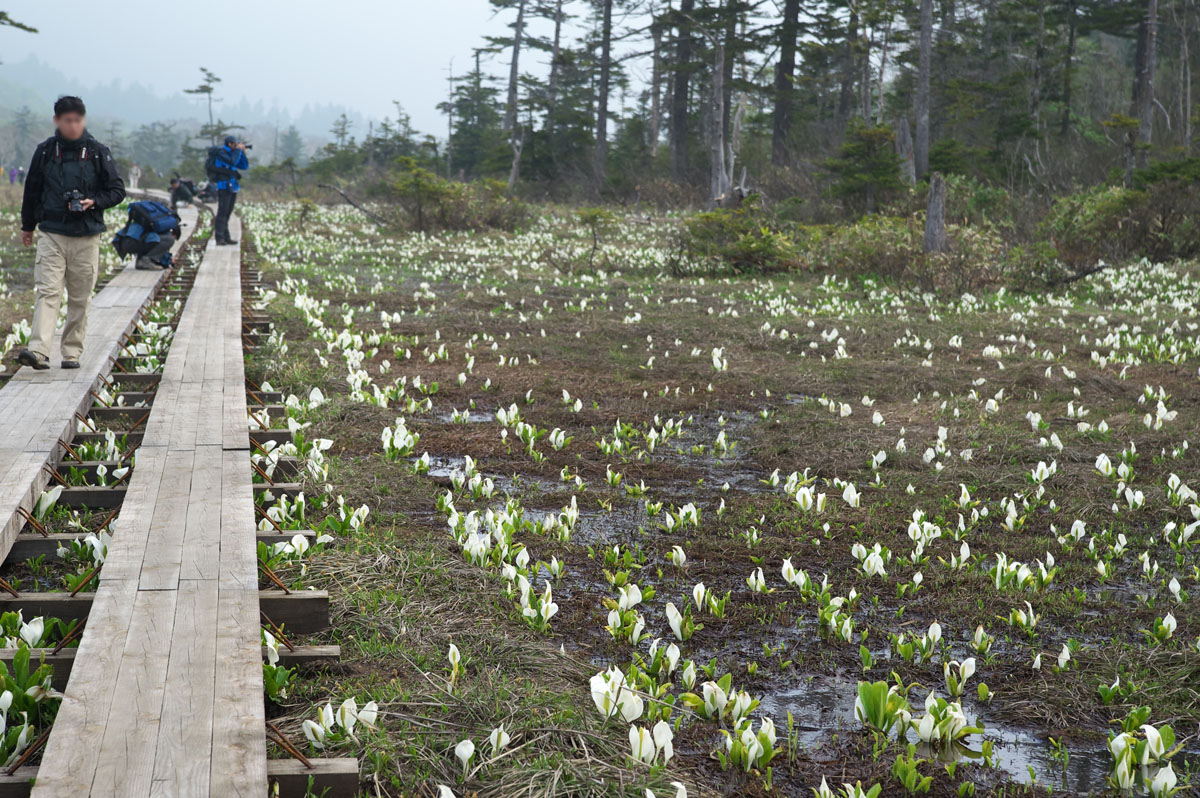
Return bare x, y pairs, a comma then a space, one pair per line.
359, 53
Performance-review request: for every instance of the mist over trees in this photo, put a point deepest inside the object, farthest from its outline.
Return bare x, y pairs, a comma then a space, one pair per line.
135, 119
674, 101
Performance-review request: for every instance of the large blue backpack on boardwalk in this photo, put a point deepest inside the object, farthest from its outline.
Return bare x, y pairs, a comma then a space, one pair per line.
148, 221
154, 216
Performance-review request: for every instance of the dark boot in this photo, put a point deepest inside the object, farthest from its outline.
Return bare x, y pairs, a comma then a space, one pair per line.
33, 360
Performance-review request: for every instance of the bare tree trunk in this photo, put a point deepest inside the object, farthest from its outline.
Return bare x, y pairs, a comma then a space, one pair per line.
1068, 67
655, 86
935, 215
679, 95
511, 123
921, 145
883, 59
785, 73
1039, 58
719, 179
1186, 86
552, 84
866, 87
1183, 90
1143, 85
731, 19
846, 97
600, 158
1130, 155
904, 149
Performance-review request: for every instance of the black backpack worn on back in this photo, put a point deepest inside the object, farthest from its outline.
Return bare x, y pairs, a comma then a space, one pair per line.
214, 171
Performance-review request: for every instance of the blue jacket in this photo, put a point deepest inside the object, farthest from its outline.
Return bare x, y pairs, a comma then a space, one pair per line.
228, 158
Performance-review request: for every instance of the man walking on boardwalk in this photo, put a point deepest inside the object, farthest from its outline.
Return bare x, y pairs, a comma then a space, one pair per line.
222, 167
71, 180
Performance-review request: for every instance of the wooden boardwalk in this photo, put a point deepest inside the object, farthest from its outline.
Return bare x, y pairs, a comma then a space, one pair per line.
37, 408
165, 696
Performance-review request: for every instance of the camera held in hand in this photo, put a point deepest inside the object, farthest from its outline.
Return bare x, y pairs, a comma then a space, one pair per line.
247, 146
74, 199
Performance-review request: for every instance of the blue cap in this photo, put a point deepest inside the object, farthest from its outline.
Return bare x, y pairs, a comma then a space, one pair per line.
231, 139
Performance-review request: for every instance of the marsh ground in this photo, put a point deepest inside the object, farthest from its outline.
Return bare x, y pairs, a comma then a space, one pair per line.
811, 374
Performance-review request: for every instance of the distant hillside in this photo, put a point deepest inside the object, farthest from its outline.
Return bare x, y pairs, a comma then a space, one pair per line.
36, 84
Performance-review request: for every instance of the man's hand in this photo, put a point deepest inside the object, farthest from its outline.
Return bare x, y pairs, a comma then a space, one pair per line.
241, 145
87, 204
27, 238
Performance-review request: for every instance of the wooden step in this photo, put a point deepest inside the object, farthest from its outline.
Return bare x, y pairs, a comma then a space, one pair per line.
264, 397
260, 437
132, 439
299, 612
279, 488
334, 777
31, 545
144, 381
92, 497
64, 660
119, 417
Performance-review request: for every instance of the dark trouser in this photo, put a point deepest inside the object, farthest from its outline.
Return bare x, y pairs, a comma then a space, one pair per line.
152, 258
225, 200
179, 195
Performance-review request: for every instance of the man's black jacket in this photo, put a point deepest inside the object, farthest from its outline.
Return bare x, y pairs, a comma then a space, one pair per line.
60, 166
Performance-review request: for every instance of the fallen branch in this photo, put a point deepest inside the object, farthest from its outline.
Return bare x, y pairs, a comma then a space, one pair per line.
1081, 275
373, 217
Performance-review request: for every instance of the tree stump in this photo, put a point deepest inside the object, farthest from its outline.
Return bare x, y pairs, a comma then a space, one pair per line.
935, 215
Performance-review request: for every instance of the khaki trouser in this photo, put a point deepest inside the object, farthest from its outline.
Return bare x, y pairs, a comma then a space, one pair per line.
62, 261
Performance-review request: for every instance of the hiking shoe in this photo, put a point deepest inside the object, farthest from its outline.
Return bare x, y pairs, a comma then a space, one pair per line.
227, 242
146, 267
33, 360
70, 364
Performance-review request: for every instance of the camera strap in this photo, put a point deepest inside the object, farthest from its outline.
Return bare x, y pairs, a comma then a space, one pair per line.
58, 156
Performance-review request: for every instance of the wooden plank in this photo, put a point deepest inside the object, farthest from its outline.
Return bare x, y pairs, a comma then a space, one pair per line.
92, 496
126, 761
159, 426
235, 418
19, 784
29, 546
60, 663
162, 555
338, 776
202, 538
186, 724
64, 661
74, 745
239, 752
239, 558
302, 611
209, 432
131, 529
20, 488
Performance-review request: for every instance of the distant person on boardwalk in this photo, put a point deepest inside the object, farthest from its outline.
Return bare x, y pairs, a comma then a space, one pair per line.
72, 179
21, 175
222, 168
12, 176
135, 174
182, 191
